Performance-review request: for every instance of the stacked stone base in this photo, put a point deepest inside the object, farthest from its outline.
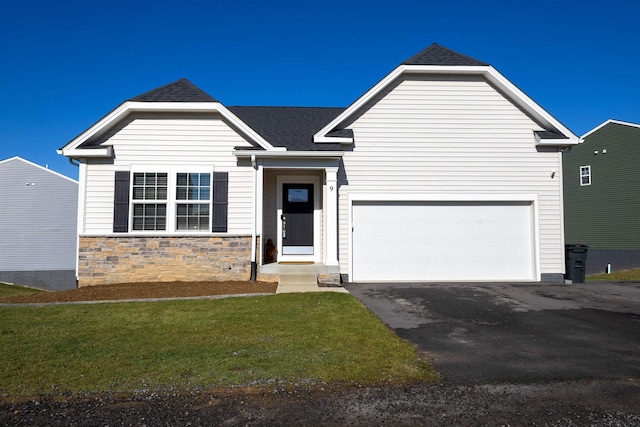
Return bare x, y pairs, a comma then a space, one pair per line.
113, 259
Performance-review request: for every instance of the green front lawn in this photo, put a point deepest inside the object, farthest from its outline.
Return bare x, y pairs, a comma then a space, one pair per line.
285, 339
7, 290
617, 276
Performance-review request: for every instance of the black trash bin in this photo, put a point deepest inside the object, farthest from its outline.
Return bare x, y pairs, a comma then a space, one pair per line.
576, 262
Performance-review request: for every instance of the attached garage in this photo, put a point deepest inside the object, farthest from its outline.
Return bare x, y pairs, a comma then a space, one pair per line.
443, 241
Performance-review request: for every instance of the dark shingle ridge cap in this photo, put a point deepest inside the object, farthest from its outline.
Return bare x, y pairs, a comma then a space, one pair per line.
179, 91
440, 55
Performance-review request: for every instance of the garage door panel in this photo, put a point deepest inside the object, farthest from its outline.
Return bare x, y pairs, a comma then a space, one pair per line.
442, 241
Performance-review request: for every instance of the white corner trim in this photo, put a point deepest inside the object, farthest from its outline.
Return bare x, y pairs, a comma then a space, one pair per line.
610, 121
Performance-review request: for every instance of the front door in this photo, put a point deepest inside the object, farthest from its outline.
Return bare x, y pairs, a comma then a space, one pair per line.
297, 219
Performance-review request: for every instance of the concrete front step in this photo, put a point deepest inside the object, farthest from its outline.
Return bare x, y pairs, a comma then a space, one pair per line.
298, 279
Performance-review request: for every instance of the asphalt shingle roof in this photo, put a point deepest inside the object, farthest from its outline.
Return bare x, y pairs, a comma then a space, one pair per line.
290, 127
179, 91
440, 55
294, 127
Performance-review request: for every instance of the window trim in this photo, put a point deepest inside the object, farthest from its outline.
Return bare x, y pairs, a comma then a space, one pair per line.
587, 169
144, 201
189, 202
172, 198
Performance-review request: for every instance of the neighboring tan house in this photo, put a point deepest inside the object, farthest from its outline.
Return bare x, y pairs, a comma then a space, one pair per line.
444, 170
38, 226
602, 208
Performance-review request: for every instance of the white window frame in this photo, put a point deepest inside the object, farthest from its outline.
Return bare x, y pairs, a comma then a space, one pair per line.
172, 198
192, 202
587, 169
147, 202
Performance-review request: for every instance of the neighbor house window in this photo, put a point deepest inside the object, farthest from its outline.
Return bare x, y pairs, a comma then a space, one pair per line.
193, 201
585, 175
149, 201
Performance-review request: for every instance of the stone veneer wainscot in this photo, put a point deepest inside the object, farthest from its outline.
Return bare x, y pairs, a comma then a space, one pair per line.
114, 259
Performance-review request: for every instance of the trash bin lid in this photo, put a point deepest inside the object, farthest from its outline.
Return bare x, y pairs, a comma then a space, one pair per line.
577, 247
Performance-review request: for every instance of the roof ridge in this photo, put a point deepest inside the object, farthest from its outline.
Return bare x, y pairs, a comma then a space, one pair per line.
181, 90
437, 54
286, 106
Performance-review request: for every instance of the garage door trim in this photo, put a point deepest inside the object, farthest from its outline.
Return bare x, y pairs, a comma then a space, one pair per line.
354, 198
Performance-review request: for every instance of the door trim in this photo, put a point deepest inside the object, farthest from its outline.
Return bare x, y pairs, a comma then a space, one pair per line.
317, 216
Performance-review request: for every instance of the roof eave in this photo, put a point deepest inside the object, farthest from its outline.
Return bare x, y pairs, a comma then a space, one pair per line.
128, 107
287, 154
610, 121
487, 71
85, 153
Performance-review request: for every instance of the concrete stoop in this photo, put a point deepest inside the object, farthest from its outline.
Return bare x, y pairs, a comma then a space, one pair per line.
303, 278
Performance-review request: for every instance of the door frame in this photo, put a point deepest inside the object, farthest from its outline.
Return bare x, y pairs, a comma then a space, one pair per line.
317, 216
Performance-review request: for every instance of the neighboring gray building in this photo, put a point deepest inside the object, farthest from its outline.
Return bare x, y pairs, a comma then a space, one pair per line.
601, 205
38, 240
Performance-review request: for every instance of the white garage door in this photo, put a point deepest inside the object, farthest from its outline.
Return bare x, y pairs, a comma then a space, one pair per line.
428, 241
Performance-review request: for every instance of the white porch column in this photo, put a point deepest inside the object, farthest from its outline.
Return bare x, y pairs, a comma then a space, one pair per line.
331, 216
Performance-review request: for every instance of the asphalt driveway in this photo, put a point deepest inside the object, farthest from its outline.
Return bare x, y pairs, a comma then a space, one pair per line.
515, 333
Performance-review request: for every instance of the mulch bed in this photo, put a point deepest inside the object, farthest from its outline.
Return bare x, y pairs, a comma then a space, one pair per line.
126, 291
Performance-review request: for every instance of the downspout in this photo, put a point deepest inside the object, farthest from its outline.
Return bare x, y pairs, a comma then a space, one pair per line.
78, 213
254, 265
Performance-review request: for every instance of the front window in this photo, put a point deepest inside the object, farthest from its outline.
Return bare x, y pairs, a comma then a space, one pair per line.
149, 201
585, 175
193, 193
166, 201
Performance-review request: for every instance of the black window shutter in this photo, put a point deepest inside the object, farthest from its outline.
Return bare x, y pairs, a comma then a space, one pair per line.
121, 202
220, 201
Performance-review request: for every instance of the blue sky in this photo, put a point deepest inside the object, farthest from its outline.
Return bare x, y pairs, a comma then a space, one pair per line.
66, 64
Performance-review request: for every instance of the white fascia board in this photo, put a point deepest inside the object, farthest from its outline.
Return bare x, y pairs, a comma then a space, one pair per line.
333, 140
87, 152
320, 136
128, 107
528, 104
487, 71
610, 121
555, 142
239, 124
288, 154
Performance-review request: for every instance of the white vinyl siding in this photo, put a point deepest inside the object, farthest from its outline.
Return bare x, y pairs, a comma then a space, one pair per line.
158, 141
437, 135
